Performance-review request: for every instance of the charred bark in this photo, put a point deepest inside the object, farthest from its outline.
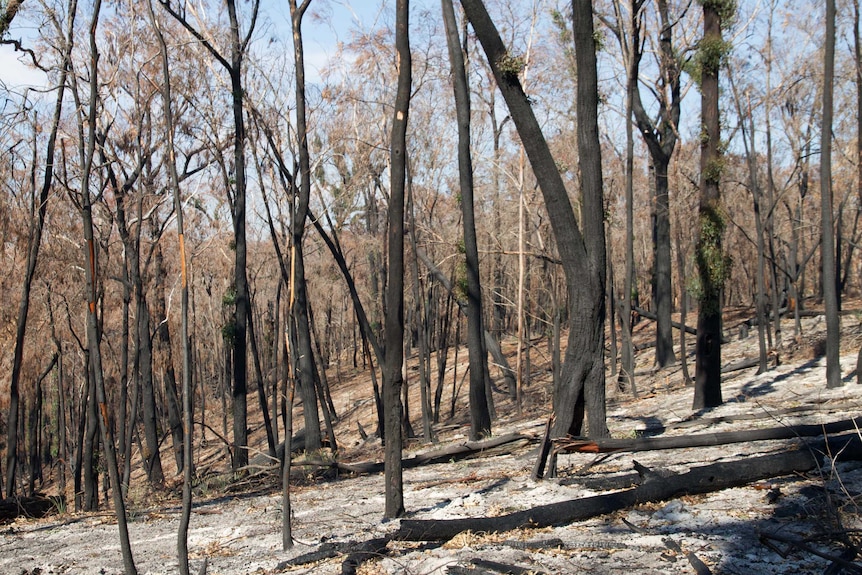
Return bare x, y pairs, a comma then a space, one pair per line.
705, 479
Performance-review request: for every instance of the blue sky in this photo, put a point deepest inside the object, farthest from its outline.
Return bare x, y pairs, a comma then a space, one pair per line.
325, 23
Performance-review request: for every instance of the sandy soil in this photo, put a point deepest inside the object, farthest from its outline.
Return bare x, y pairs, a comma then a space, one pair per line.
240, 532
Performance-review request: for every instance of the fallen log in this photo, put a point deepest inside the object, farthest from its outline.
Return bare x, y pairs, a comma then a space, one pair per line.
823, 407
651, 316
455, 452
578, 445
740, 365
752, 322
365, 551
458, 570
705, 479
264, 460
325, 551
497, 567
355, 554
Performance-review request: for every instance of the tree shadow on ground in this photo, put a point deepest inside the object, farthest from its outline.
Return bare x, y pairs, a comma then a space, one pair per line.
819, 510
761, 386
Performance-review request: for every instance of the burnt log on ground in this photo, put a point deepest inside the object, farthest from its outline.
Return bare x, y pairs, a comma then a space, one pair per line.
365, 551
497, 567
822, 407
578, 445
840, 563
698, 480
36, 506
263, 460
651, 316
355, 553
741, 364
494, 446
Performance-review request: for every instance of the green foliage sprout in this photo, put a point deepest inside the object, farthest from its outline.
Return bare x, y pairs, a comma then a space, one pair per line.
713, 170
228, 332
229, 298
510, 65
713, 263
599, 40
711, 54
726, 10
461, 279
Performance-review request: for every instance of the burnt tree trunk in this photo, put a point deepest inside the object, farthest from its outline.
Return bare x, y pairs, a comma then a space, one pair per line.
38, 224
712, 263
165, 349
661, 138
394, 311
582, 254
827, 244
480, 415
307, 376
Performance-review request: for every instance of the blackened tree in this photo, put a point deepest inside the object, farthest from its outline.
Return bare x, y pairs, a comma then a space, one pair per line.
713, 264
582, 380
480, 415
394, 310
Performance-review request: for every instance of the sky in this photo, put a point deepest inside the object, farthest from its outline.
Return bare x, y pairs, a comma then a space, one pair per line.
325, 24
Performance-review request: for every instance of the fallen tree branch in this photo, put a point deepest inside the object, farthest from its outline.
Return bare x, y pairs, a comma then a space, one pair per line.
699, 566
326, 550
651, 316
458, 570
578, 445
741, 364
705, 479
752, 322
505, 568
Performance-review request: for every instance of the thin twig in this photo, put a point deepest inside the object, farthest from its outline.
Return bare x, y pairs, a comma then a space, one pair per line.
799, 544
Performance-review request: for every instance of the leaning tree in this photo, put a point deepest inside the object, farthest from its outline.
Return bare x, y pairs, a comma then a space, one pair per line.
581, 247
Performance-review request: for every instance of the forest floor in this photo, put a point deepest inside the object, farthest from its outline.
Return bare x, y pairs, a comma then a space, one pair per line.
236, 524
